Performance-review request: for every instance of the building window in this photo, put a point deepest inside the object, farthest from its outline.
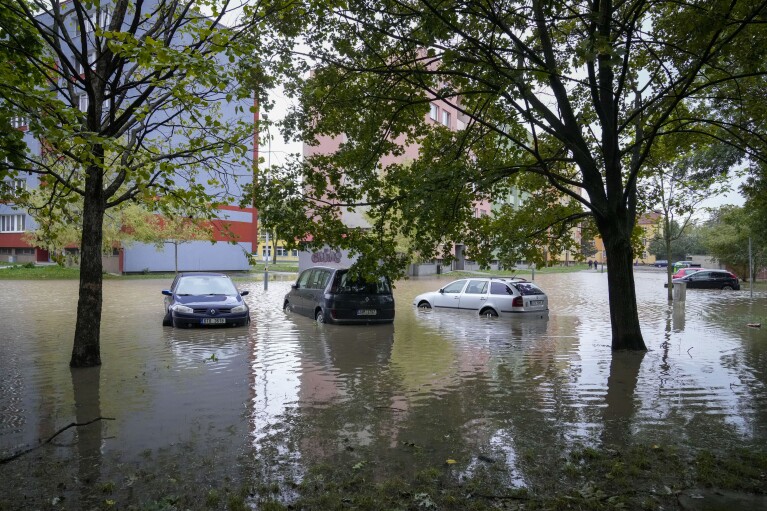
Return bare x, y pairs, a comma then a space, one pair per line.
12, 223
16, 185
433, 112
25, 251
19, 121
295, 253
91, 64
100, 18
445, 117
83, 99
6, 251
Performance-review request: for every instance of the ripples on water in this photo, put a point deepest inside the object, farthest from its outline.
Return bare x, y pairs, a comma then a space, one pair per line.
433, 386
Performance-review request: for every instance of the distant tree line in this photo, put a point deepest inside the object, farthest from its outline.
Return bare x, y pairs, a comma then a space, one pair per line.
724, 236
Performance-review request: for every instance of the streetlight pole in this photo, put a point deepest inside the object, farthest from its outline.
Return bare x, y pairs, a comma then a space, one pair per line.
266, 226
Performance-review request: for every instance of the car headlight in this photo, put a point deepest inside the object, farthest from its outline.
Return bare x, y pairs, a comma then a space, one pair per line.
239, 308
183, 309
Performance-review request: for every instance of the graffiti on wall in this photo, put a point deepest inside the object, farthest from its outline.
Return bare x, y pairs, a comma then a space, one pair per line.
327, 256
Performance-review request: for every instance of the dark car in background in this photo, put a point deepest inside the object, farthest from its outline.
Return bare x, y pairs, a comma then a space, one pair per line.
710, 279
204, 299
660, 263
333, 295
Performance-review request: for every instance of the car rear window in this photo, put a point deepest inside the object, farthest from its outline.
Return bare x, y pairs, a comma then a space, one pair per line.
526, 289
344, 284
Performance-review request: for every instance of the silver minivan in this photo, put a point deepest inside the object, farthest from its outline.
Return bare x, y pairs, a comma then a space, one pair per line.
331, 295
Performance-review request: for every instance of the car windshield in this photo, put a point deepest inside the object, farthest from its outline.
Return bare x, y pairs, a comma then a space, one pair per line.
206, 285
526, 289
344, 284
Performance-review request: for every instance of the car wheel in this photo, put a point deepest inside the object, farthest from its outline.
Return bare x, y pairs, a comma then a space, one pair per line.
320, 316
167, 320
488, 313
727, 288
178, 324
287, 307
424, 305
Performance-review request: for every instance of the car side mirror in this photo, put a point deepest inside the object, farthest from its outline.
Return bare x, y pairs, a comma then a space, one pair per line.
167, 292
442, 290
243, 293
294, 286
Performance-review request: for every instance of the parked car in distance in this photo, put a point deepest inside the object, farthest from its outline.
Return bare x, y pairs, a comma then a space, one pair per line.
331, 295
660, 263
683, 272
488, 296
684, 264
710, 279
204, 299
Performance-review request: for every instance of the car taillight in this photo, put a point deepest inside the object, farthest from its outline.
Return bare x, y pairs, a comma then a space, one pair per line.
517, 302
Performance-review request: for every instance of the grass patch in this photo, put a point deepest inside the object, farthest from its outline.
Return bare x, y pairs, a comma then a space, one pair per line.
286, 267
522, 272
32, 272
637, 477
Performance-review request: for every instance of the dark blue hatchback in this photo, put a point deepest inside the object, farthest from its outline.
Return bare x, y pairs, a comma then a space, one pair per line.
204, 299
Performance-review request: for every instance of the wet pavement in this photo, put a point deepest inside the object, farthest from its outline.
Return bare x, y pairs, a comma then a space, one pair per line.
269, 401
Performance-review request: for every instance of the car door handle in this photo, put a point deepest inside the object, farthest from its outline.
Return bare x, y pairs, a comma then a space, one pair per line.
483, 299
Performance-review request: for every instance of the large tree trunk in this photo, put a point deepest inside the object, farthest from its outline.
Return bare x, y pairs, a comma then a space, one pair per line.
624, 315
86, 351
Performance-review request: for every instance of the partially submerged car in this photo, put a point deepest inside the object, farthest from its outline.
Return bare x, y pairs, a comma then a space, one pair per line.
333, 295
204, 299
491, 297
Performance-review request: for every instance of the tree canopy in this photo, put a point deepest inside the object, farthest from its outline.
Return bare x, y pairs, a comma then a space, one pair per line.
565, 100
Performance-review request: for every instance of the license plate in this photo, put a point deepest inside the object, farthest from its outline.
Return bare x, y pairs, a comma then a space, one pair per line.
536, 302
213, 321
367, 312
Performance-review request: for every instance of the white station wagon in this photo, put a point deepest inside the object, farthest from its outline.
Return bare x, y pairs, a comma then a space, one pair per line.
488, 296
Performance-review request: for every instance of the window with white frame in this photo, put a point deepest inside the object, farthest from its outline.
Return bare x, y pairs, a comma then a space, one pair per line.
83, 100
445, 117
19, 121
91, 63
101, 19
18, 184
433, 112
12, 223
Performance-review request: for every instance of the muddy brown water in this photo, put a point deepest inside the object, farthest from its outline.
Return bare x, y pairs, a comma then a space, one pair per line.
193, 408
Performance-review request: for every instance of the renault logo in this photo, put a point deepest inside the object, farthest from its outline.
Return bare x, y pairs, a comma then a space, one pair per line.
212, 312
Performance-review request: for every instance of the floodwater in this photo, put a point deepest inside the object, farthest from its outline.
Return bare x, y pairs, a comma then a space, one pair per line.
194, 410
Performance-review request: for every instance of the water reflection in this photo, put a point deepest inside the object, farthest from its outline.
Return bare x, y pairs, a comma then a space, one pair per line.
268, 401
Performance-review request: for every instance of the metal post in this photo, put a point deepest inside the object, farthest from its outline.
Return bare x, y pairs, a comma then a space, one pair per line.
750, 269
266, 261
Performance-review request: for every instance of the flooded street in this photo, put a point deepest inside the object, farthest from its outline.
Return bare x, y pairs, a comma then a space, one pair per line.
195, 410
